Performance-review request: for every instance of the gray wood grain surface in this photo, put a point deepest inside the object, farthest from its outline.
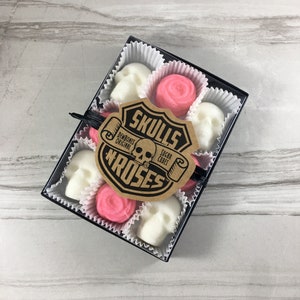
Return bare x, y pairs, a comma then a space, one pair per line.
243, 240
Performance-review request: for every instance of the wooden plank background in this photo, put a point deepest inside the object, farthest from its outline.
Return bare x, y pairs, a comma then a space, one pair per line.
243, 240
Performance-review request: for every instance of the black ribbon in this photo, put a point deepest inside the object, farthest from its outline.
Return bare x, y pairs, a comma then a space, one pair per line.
94, 119
90, 117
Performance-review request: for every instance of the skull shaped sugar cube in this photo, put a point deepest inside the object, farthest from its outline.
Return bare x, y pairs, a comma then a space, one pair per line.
208, 120
81, 173
129, 82
143, 151
158, 220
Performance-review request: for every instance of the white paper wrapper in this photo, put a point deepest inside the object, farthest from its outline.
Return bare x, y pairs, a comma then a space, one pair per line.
83, 134
94, 105
57, 190
175, 67
162, 251
206, 160
109, 106
141, 53
134, 52
89, 209
226, 101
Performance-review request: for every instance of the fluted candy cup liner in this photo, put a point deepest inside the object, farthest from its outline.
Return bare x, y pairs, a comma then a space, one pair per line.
151, 210
175, 67
141, 53
91, 133
83, 134
89, 209
134, 52
228, 103
108, 107
192, 188
88, 132
95, 105
57, 191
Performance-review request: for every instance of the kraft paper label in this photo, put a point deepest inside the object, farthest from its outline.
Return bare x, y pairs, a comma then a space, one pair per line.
144, 151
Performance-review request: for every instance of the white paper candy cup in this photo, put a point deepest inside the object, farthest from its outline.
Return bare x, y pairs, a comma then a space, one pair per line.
206, 161
134, 52
89, 209
57, 190
175, 67
84, 134
226, 101
107, 108
141, 53
162, 251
